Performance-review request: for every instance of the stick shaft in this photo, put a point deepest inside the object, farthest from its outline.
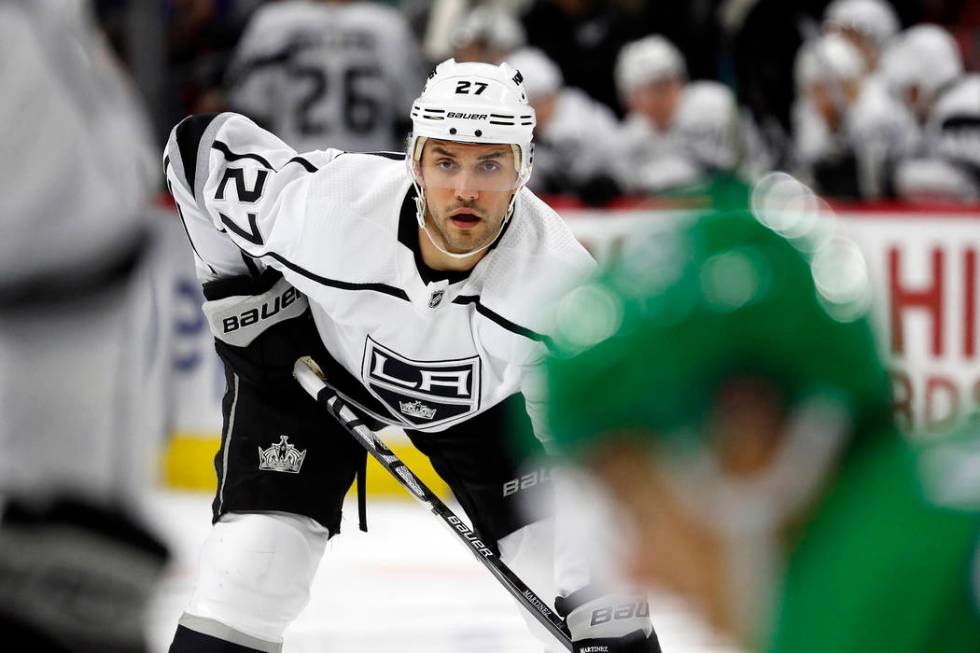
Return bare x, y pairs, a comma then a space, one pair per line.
314, 384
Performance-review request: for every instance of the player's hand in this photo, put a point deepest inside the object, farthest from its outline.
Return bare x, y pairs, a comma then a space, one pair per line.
614, 623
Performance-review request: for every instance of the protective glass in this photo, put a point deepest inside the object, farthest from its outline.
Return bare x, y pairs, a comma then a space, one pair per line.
476, 172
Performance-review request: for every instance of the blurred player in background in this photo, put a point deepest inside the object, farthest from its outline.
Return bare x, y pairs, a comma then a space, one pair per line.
924, 69
677, 134
487, 34
76, 567
328, 73
868, 24
577, 141
415, 281
722, 386
920, 65
848, 131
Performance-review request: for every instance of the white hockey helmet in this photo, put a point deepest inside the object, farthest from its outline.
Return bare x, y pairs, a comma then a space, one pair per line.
496, 27
925, 56
874, 19
647, 60
541, 74
829, 58
474, 103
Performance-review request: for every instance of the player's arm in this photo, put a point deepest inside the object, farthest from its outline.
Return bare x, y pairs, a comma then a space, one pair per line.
240, 192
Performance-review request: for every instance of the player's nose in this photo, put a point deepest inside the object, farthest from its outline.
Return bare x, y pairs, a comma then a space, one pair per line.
466, 186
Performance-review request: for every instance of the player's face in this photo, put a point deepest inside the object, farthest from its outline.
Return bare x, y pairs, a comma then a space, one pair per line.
657, 100
468, 188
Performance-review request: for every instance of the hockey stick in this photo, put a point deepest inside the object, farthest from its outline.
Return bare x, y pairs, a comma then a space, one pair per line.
309, 375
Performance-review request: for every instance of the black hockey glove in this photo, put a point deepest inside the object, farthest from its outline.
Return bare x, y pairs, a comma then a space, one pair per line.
612, 623
261, 325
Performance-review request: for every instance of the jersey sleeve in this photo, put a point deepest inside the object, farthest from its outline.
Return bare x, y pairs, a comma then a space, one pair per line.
240, 192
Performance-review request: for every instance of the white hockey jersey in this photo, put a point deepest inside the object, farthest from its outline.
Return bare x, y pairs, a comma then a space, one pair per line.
579, 143
433, 352
707, 134
327, 75
948, 168
855, 161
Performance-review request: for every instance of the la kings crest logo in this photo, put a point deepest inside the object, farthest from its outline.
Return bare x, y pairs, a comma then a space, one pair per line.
422, 393
282, 457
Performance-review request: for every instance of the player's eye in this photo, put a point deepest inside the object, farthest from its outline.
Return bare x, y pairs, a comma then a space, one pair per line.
445, 164
489, 166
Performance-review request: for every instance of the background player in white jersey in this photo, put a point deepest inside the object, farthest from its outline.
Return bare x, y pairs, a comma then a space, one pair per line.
676, 134
487, 34
868, 24
577, 140
922, 67
848, 131
76, 567
321, 73
421, 277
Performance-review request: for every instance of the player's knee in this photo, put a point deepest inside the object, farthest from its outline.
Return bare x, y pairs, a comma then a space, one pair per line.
529, 552
256, 572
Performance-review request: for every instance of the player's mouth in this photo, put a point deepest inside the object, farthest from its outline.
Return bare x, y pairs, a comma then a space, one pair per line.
464, 218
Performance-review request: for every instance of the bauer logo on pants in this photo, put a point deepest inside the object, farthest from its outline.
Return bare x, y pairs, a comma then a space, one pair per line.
282, 457
422, 393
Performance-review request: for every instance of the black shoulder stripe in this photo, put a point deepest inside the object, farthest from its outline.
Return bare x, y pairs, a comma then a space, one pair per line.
961, 121
303, 162
343, 285
394, 156
188, 135
235, 156
501, 320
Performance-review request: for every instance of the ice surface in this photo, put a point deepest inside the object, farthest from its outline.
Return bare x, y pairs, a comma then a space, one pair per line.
407, 585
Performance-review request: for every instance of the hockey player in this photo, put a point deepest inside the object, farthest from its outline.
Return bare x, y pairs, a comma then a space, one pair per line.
923, 68
77, 566
920, 65
319, 73
487, 34
948, 169
723, 387
676, 134
868, 24
577, 141
848, 131
414, 281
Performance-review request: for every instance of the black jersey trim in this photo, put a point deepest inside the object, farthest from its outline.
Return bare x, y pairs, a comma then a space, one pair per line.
961, 122
188, 134
501, 320
394, 156
342, 285
309, 167
235, 156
